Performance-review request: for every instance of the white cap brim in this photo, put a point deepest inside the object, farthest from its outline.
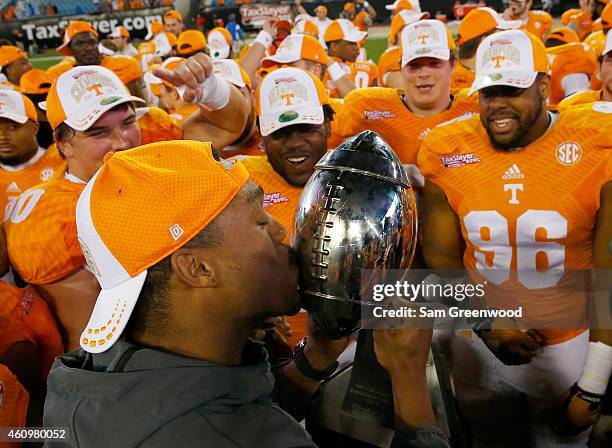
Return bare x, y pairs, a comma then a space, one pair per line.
270, 123
521, 80
355, 36
509, 25
21, 119
279, 59
392, 6
89, 114
111, 314
436, 53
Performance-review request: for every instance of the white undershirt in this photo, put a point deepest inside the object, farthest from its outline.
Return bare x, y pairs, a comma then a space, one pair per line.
72, 178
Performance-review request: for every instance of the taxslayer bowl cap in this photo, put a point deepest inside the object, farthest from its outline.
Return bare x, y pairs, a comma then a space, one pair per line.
10, 54
295, 47
16, 107
342, 29
119, 239
306, 27
232, 72
608, 47
289, 96
35, 82
190, 41
403, 18
481, 21
564, 34
219, 43
173, 14
72, 30
81, 95
426, 39
509, 58
119, 32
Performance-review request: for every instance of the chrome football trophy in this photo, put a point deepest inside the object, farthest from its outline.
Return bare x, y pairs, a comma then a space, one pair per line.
356, 212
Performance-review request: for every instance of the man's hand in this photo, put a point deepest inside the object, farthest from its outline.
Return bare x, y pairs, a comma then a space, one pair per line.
188, 76
269, 27
398, 347
321, 351
509, 343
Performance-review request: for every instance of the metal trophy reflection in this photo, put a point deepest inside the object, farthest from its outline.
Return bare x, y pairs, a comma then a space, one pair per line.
356, 212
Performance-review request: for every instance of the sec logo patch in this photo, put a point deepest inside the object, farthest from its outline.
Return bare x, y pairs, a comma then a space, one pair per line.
568, 153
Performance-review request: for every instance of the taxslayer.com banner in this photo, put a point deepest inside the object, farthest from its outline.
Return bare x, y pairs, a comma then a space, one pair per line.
254, 14
47, 31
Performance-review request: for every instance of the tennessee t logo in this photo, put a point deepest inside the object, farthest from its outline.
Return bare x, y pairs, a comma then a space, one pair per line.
498, 60
287, 97
423, 38
96, 88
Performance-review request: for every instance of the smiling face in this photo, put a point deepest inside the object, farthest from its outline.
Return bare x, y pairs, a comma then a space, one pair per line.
427, 84
515, 117
293, 151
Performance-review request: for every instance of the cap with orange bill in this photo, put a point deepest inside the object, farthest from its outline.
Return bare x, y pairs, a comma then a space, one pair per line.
481, 21
402, 19
564, 34
118, 32
72, 30
342, 29
154, 28
426, 39
173, 14
35, 82
118, 236
16, 107
294, 48
219, 43
83, 94
190, 41
509, 58
10, 54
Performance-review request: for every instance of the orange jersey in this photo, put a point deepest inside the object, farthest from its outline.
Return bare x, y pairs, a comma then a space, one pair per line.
24, 316
538, 23
41, 231
389, 61
580, 98
565, 60
336, 137
280, 197
126, 68
581, 19
383, 110
157, 126
14, 180
527, 216
462, 78
180, 115
363, 74
596, 41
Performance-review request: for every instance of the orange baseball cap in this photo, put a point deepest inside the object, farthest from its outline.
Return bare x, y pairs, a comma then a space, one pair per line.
481, 21
35, 82
83, 94
190, 41
119, 31
606, 17
10, 54
219, 43
173, 14
349, 6
76, 27
17, 107
294, 48
306, 27
154, 28
289, 96
564, 34
342, 29
229, 70
509, 58
123, 231
403, 18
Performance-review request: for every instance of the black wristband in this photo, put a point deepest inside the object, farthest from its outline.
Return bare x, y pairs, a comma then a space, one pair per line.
306, 368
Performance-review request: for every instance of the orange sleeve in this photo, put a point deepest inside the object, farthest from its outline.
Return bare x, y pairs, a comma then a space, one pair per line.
350, 116
336, 137
156, 126
41, 232
55, 70
389, 62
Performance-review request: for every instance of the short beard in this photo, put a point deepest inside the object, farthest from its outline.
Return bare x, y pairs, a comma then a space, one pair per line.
524, 125
14, 160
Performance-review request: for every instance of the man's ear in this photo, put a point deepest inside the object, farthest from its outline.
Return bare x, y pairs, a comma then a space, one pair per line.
317, 70
64, 147
194, 269
545, 86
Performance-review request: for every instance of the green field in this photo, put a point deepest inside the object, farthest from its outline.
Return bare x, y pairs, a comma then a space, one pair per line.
375, 46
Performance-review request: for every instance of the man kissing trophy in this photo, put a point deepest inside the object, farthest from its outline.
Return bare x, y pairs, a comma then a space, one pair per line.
357, 212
